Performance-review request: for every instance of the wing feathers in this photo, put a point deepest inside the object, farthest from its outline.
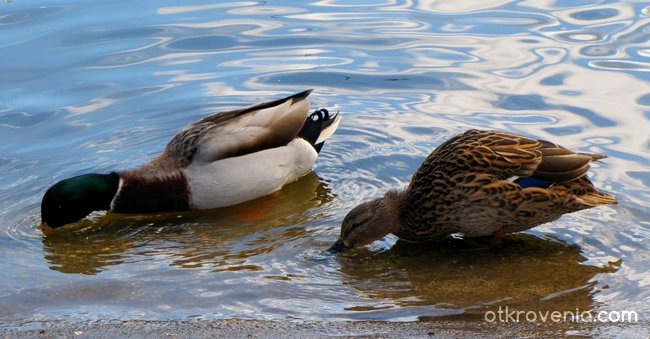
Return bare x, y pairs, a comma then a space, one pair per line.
560, 164
239, 132
265, 128
504, 155
540, 159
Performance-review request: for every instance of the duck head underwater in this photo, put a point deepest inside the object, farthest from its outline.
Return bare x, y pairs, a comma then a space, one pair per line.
221, 160
478, 183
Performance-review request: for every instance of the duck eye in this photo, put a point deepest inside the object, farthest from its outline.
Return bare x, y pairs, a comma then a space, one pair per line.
354, 226
345, 232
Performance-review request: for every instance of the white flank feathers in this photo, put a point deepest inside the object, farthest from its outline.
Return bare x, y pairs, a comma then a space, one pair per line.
235, 180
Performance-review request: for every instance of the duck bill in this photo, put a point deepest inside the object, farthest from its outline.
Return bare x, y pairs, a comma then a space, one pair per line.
338, 247
46, 229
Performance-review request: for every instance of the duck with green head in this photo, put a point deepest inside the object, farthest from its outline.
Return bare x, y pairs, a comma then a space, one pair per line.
221, 160
478, 183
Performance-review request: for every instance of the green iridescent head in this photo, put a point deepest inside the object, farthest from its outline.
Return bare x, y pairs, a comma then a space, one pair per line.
73, 199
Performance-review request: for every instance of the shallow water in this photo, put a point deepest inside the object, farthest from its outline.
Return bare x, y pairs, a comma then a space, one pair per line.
95, 86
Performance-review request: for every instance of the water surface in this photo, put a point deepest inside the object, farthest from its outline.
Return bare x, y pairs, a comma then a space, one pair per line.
95, 86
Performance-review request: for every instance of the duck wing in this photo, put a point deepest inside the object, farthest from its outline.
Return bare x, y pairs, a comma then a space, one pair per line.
561, 165
503, 155
239, 132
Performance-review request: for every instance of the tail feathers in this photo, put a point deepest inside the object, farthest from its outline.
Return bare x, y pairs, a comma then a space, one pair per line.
596, 198
585, 193
328, 128
595, 156
319, 126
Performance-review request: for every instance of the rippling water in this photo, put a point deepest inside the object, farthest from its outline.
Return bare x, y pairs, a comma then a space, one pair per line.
96, 86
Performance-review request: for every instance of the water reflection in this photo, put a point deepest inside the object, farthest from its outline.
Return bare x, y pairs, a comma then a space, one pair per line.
364, 82
524, 272
407, 74
222, 239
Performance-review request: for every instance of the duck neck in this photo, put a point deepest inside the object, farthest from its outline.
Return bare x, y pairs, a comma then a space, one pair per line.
393, 203
98, 189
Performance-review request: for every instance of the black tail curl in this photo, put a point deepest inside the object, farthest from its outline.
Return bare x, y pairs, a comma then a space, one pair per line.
320, 115
314, 124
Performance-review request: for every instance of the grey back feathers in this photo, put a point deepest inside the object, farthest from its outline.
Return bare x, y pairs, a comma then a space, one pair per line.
242, 131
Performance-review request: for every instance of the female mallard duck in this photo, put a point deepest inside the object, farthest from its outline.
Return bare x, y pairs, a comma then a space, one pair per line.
221, 160
479, 183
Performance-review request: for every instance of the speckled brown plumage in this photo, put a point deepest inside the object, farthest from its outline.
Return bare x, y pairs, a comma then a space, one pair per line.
466, 186
462, 186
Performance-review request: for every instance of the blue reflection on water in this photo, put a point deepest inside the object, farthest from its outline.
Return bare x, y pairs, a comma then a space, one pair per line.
95, 86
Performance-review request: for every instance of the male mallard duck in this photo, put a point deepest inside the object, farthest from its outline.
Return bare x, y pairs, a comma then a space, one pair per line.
221, 160
479, 183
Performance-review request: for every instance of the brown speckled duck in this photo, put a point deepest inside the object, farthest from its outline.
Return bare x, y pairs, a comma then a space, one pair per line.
478, 183
221, 160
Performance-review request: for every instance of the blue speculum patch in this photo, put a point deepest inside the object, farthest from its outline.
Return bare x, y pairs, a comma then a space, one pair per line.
533, 182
